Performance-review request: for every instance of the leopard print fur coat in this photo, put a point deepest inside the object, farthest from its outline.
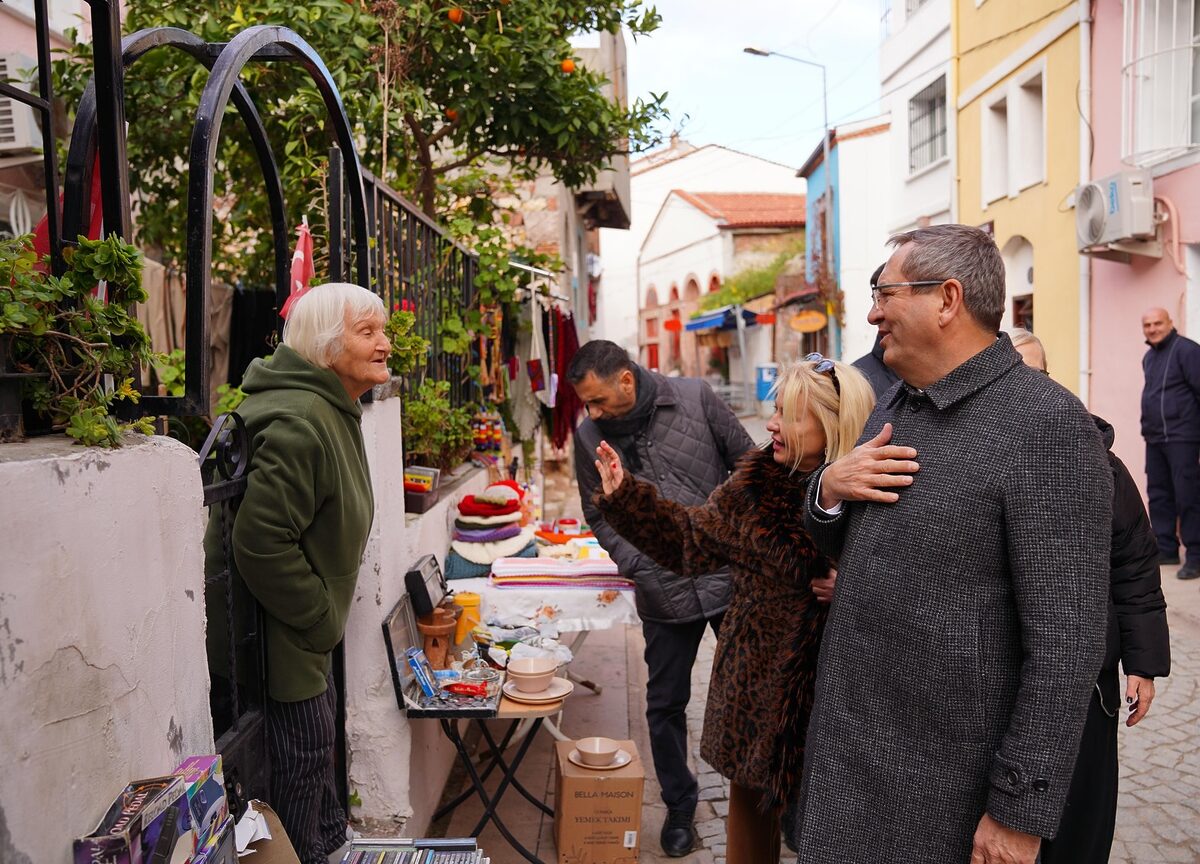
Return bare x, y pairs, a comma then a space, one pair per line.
761, 688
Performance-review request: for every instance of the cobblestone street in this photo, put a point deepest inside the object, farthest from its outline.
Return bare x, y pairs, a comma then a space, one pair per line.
1159, 813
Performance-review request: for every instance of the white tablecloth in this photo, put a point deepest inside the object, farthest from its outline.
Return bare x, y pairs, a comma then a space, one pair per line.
571, 609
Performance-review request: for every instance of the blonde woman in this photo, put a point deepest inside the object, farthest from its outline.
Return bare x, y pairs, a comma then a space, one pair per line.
764, 669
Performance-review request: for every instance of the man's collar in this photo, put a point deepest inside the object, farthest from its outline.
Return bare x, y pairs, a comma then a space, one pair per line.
666, 393
968, 378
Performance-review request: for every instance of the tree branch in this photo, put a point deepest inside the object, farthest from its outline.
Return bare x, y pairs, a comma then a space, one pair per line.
471, 156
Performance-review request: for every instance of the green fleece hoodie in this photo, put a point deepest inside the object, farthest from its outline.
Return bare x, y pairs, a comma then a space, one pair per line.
301, 529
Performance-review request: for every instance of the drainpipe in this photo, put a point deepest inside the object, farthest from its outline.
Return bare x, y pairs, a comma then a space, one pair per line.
1085, 174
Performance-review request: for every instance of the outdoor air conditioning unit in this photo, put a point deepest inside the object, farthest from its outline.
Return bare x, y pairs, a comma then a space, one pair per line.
1115, 209
18, 130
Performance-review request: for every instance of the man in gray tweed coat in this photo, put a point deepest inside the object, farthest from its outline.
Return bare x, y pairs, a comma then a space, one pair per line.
968, 623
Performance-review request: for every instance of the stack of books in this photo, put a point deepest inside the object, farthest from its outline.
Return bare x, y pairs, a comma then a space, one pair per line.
400, 851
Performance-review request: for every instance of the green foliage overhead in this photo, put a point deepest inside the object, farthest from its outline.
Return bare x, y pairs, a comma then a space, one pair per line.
409, 351
84, 349
428, 98
755, 282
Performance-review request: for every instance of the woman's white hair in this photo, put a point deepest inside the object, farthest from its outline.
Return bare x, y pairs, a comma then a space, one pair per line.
316, 323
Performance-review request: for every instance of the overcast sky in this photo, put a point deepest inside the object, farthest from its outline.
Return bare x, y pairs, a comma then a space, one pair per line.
768, 106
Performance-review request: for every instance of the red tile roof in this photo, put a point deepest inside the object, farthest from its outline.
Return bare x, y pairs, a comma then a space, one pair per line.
748, 209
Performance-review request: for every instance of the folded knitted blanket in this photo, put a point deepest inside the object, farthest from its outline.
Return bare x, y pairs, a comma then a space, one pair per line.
473, 523
498, 495
486, 553
470, 506
557, 568
486, 535
458, 567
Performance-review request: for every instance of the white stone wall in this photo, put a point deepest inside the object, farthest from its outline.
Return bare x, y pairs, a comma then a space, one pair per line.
103, 675
397, 768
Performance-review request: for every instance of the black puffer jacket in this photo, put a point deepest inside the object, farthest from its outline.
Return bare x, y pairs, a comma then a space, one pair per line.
688, 447
1137, 618
880, 375
1171, 397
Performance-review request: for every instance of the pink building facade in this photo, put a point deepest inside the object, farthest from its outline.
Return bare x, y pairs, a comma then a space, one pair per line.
1145, 114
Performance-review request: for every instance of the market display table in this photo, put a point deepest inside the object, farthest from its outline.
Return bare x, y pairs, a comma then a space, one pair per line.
516, 713
571, 609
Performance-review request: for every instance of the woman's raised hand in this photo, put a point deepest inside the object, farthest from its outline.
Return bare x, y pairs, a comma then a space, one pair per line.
608, 464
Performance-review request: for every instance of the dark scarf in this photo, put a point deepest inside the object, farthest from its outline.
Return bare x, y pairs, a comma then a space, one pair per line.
621, 431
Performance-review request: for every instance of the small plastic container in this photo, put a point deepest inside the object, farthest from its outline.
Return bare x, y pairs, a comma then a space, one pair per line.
469, 601
483, 675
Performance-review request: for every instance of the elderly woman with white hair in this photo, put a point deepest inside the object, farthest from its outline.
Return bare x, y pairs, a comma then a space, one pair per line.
300, 532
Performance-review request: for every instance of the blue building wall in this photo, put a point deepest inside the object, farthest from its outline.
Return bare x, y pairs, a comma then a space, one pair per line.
815, 191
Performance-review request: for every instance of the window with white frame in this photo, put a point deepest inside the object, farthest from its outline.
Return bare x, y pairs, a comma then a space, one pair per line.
927, 126
1027, 141
1014, 135
911, 6
1160, 80
995, 150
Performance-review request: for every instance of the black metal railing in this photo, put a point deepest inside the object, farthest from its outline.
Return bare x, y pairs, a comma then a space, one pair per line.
414, 265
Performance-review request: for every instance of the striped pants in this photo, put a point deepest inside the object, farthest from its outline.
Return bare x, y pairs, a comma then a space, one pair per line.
301, 737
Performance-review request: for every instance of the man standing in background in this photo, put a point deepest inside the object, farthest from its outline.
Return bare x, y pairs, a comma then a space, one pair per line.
1171, 427
676, 434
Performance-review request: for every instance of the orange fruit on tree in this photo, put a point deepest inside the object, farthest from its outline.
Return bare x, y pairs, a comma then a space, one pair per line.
455, 15
568, 66
451, 114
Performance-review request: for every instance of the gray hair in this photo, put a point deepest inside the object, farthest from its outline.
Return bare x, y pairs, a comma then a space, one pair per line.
963, 253
316, 323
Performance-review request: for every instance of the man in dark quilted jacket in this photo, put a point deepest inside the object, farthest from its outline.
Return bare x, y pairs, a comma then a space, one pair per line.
676, 434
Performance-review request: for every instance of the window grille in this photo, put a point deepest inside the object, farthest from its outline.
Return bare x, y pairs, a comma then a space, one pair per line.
1160, 80
927, 125
911, 6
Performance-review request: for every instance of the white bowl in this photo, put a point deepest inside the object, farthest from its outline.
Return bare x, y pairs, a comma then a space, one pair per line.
532, 674
597, 752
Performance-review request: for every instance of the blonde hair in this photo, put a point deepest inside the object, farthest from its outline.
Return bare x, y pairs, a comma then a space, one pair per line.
842, 416
316, 323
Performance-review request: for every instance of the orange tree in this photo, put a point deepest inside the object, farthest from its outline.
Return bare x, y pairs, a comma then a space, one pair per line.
443, 95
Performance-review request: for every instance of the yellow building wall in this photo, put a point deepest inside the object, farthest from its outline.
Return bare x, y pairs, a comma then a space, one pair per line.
1038, 213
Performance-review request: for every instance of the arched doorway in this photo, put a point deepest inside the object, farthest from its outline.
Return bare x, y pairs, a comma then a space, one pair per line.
1018, 283
650, 330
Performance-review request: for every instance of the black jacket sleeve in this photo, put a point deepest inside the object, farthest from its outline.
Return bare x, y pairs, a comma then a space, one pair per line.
1137, 597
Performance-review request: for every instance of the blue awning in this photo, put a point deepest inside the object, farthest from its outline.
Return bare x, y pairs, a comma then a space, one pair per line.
720, 319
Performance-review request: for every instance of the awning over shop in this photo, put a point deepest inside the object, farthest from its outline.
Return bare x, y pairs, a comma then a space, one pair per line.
724, 318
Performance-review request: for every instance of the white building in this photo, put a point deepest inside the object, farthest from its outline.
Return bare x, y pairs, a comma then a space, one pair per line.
697, 241
712, 168
914, 77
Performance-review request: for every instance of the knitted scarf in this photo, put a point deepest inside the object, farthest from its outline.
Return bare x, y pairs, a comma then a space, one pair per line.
621, 432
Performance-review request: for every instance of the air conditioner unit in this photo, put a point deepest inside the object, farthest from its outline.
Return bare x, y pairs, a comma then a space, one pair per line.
1115, 209
18, 129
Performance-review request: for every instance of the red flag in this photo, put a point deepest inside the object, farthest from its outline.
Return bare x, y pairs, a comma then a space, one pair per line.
302, 267
41, 233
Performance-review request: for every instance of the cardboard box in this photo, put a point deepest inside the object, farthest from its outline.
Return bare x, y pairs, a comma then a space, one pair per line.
148, 823
277, 850
598, 814
219, 849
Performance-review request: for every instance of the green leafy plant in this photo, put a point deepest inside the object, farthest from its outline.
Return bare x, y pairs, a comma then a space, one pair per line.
170, 371
83, 346
751, 283
434, 433
229, 398
410, 351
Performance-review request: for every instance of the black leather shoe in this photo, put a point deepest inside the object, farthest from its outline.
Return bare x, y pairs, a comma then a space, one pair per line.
678, 837
1188, 571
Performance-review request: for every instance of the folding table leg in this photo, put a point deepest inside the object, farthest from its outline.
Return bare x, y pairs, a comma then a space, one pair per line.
462, 796
575, 645
489, 813
498, 757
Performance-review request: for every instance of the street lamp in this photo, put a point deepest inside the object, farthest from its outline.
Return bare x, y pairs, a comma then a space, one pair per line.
826, 245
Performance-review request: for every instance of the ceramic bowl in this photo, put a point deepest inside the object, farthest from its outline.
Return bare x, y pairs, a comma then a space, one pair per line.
597, 752
532, 674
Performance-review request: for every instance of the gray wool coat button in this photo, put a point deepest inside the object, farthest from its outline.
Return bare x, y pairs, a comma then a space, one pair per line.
1040, 785
1014, 778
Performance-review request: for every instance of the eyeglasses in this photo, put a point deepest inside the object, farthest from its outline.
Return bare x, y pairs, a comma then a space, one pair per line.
878, 294
822, 365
